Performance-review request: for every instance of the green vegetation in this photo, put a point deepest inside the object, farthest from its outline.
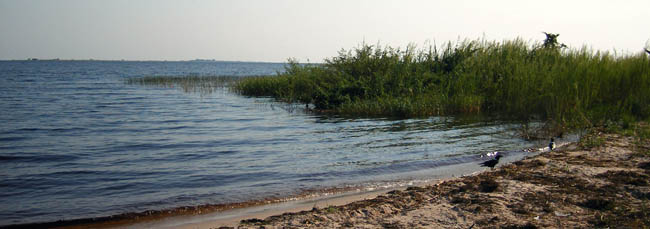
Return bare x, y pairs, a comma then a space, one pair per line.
331, 209
191, 83
638, 132
515, 79
593, 139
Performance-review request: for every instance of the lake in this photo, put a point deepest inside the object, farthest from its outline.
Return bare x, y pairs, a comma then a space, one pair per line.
77, 141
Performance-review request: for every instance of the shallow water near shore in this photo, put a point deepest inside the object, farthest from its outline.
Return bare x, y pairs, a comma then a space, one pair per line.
78, 142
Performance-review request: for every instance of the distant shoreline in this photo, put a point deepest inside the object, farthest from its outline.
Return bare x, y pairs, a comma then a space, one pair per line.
101, 60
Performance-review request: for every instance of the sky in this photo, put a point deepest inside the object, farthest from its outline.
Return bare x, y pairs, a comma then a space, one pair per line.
307, 30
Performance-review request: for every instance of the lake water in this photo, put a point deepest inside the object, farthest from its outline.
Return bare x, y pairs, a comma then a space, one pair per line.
76, 141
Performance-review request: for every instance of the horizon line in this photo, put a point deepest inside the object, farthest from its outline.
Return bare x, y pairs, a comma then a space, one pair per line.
152, 60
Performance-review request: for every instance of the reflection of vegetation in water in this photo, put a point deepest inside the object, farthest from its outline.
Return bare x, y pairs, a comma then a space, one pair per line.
190, 84
574, 87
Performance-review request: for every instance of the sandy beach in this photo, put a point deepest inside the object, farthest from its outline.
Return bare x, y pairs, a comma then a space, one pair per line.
577, 186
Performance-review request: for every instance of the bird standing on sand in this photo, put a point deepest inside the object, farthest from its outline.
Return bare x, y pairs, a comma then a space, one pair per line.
551, 145
491, 163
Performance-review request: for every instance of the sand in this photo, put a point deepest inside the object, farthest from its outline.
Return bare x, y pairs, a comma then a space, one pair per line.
333, 197
572, 187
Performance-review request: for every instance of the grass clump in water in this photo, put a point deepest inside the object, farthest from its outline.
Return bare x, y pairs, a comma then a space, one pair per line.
570, 87
189, 84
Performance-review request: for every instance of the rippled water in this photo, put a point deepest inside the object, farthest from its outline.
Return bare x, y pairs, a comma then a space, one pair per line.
76, 141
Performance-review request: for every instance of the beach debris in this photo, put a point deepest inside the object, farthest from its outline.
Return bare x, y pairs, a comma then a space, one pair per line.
490, 154
560, 214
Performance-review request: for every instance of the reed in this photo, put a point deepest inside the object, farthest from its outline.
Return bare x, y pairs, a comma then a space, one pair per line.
189, 83
569, 86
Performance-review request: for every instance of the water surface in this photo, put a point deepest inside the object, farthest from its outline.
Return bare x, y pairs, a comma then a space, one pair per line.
76, 141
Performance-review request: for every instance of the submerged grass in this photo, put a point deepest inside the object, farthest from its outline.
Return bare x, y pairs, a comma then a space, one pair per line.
569, 87
190, 83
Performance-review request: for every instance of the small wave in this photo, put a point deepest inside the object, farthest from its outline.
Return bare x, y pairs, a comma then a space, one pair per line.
29, 129
225, 179
37, 158
265, 184
200, 155
11, 158
73, 172
64, 130
59, 130
132, 147
311, 179
12, 139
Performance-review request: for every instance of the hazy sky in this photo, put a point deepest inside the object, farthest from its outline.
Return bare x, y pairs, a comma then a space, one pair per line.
270, 30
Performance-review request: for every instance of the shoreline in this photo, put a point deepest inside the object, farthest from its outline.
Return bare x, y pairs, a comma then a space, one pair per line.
324, 199
601, 182
233, 213
578, 186
230, 214
233, 217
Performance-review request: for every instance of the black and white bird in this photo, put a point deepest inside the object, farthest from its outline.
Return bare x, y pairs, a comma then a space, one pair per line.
491, 163
551, 145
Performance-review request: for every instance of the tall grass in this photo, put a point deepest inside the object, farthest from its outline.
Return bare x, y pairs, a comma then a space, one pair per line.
576, 87
189, 83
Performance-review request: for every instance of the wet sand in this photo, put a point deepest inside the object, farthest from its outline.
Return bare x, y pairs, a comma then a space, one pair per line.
311, 200
321, 199
232, 218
